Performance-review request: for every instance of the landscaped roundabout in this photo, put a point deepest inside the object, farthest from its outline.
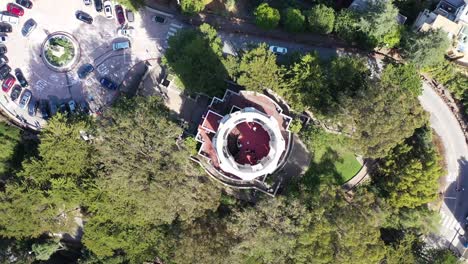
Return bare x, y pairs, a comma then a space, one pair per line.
60, 51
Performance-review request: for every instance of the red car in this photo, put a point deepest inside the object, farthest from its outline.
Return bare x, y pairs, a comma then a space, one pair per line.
8, 83
120, 14
15, 9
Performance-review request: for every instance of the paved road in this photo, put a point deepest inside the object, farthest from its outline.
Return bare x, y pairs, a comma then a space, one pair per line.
455, 206
233, 41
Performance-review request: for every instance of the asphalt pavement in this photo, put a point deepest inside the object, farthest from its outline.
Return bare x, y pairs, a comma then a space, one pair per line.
455, 205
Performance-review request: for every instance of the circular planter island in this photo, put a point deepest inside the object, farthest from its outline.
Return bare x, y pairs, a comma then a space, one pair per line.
60, 51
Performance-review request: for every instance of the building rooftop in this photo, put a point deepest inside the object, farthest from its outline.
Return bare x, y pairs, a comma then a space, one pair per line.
244, 135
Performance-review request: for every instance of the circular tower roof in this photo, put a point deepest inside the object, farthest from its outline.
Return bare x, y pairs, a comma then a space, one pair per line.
249, 144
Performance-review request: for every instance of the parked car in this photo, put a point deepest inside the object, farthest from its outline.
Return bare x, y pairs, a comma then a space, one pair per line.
71, 106
278, 50
130, 16
20, 77
25, 98
159, 19
8, 83
15, 92
126, 31
121, 45
3, 49
120, 14
5, 28
87, 2
44, 108
85, 70
85, 17
105, 82
108, 9
15, 9
3, 60
9, 18
52, 108
98, 5
25, 3
32, 106
28, 27
3, 39
4, 71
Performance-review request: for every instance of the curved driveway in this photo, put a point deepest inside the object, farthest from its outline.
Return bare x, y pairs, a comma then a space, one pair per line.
455, 205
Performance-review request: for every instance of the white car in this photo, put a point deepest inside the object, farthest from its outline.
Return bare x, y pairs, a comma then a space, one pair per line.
10, 19
3, 38
87, 2
126, 32
108, 9
278, 50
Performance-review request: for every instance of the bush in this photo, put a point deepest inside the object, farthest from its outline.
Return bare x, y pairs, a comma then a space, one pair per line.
191, 7
295, 126
266, 17
321, 19
294, 20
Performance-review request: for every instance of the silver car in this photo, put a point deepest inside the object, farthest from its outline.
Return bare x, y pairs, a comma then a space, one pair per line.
25, 98
108, 9
28, 27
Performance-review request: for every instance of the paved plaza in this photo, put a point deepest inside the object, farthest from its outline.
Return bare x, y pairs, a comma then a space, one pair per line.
95, 42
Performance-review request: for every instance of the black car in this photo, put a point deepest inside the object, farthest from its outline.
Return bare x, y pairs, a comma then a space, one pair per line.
4, 71
105, 82
5, 28
15, 92
85, 70
98, 5
85, 17
44, 108
25, 3
3, 49
28, 27
20, 76
32, 107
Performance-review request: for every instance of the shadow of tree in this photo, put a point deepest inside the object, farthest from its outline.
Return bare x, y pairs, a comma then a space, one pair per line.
194, 57
323, 171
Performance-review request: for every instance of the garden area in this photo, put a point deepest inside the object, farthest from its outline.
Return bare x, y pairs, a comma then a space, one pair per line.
59, 51
332, 159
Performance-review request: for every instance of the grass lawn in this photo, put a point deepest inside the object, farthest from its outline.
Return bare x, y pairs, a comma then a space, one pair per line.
332, 160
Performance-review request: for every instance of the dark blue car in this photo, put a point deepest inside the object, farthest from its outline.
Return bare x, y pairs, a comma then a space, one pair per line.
105, 82
85, 70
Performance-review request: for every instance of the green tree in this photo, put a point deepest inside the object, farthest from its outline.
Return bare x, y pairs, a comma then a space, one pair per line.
426, 49
10, 138
305, 84
266, 17
379, 22
195, 57
191, 7
405, 76
321, 19
145, 184
133, 5
43, 251
409, 174
258, 70
385, 115
347, 25
294, 20
62, 153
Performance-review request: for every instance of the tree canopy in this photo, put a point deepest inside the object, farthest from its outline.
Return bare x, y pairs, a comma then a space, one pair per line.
266, 17
195, 57
321, 19
294, 20
426, 49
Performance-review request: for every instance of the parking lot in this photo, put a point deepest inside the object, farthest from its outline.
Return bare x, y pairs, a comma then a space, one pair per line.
95, 42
